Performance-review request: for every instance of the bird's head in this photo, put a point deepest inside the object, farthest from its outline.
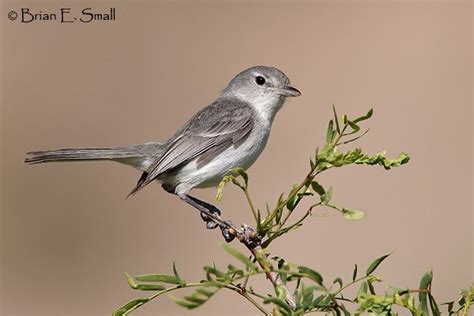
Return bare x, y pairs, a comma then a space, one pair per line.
264, 87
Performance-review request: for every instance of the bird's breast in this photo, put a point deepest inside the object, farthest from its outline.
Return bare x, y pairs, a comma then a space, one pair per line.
242, 154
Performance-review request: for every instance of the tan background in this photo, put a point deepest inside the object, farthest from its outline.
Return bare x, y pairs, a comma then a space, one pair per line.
68, 234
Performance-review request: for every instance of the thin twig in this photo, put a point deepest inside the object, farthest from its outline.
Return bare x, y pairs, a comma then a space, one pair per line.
272, 276
249, 200
254, 302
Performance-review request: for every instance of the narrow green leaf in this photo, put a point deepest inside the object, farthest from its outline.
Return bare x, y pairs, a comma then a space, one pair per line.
375, 264
204, 292
221, 276
352, 214
195, 299
239, 256
336, 119
241, 172
307, 299
318, 188
311, 274
344, 310
292, 202
125, 308
365, 117
423, 294
280, 303
354, 273
371, 287
327, 196
338, 280
330, 132
130, 281
178, 278
434, 306
184, 303
318, 301
150, 287
362, 289
354, 126
450, 306
171, 279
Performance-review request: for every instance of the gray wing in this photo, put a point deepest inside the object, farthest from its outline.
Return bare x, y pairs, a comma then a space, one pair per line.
209, 132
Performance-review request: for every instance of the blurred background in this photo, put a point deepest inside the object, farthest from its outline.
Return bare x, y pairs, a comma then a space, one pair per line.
67, 233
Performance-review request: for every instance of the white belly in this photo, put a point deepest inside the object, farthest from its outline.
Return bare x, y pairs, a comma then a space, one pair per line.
243, 155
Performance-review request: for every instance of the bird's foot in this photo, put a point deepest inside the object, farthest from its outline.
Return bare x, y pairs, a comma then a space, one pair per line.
227, 231
211, 223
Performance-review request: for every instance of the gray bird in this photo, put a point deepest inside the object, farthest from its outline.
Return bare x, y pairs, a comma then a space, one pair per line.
230, 132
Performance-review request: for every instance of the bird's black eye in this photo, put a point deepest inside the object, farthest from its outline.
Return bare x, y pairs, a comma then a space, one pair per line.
260, 80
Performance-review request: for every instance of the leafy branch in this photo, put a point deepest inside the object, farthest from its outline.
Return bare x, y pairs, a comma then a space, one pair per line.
299, 290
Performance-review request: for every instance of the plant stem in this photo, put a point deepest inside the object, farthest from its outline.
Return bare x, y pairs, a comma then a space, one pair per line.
243, 286
351, 283
257, 252
161, 293
249, 200
254, 302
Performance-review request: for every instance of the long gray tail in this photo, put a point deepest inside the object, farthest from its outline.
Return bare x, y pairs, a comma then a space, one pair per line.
138, 156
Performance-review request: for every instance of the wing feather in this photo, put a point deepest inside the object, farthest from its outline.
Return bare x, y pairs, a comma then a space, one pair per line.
209, 132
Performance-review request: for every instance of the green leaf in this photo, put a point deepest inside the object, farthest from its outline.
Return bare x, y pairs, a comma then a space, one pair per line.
125, 308
307, 299
330, 132
344, 310
327, 196
434, 306
338, 280
241, 172
130, 281
375, 264
338, 129
311, 274
362, 289
450, 306
280, 303
354, 273
352, 214
195, 299
293, 198
150, 287
184, 303
239, 256
318, 188
178, 278
171, 279
354, 126
365, 117
423, 295
204, 292
221, 276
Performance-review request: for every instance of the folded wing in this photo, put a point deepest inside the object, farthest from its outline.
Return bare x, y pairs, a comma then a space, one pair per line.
210, 131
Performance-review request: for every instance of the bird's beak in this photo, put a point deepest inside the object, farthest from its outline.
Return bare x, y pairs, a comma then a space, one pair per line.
288, 91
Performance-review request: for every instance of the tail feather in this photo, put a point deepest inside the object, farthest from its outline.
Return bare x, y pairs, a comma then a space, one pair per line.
131, 155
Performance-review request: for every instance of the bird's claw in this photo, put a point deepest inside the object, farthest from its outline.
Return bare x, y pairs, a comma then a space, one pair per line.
227, 231
210, 223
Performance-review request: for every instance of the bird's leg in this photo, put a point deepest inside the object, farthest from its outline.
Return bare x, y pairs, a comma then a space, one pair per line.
211, 215
210, 223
